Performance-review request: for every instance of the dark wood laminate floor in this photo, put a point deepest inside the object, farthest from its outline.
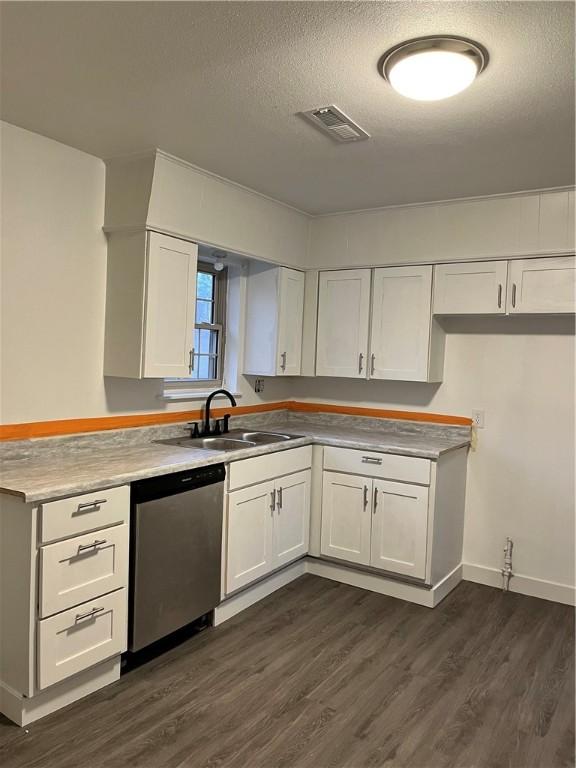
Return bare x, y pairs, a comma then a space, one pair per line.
322, 675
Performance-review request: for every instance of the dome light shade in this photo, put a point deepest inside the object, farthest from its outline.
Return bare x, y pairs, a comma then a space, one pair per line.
430, 69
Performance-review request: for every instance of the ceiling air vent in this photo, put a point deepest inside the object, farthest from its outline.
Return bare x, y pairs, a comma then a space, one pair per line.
336, 124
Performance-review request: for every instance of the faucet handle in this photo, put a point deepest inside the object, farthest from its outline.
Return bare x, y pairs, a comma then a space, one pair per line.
194, 431
225, 419
216, 430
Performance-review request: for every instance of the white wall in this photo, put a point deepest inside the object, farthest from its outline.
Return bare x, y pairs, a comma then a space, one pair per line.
53, 290
521, 475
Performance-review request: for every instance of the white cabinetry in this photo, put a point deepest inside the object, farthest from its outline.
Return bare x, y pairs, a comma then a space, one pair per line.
250, 535
268, 515
389, 335
399, 514
520, 286
399, 528
150, 306
346, 517
274, 316
343, 323
477, 288
405, 343
539, 286
63, 601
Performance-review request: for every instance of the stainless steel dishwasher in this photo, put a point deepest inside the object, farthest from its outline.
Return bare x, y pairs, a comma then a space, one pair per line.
176, 538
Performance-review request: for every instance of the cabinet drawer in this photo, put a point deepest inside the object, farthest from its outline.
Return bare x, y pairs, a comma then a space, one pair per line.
79, 569
260, 468
78, 514
407, 469
81, 637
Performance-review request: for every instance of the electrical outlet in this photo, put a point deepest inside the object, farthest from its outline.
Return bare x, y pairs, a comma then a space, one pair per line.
258, 385
478, 419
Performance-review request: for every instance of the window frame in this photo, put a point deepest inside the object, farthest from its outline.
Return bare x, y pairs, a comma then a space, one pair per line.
219, 305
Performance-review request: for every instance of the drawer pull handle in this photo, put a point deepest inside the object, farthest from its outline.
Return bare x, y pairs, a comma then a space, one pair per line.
90, 505
402, 495
97, 543
88, 614
371, 460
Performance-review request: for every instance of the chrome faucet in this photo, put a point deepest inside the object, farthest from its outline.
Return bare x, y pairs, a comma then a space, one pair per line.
217, 431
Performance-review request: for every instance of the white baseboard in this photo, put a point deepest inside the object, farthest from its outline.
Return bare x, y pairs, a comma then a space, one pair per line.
525, 585
22, 710
259, 591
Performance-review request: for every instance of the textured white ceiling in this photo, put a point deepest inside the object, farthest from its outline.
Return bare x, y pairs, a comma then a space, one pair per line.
220, 83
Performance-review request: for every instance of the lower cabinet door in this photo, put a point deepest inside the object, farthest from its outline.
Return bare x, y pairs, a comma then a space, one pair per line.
346, 513
250, 535
292, 520
399, 528
76, 639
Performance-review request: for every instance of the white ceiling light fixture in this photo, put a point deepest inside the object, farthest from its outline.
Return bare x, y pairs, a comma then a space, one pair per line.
433, 68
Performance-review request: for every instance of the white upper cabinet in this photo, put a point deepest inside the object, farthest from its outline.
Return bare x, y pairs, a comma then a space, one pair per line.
542, 286
274, 316
343, 323
170, 307
400, 339
473, 288
150, 305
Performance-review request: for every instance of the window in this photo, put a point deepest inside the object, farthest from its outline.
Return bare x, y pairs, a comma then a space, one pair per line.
208, 343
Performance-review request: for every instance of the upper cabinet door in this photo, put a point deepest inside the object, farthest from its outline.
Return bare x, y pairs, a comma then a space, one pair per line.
290, 317
475, 288
399, 528
539, 286
401, 323
169, 306
292, 522
343, 321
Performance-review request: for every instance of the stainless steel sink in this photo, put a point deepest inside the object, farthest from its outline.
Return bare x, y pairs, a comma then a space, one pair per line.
211, 443
232, 441
261, 437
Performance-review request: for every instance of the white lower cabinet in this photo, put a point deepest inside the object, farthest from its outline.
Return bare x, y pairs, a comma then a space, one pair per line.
74, 570
375, 522
399, 528
268, 526
292, 521
250, 535
346, 517
76, 639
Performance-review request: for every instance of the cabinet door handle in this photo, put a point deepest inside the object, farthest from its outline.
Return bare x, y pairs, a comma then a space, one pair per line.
191, 362
94, 545
279, 498
283, 363
514, 294
375, 501
371, 460
499, 295
360, 362
88, 506
273, 500
88, 614
365, 496
372, 364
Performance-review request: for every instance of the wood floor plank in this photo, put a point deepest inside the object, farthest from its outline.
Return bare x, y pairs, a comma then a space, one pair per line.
324, 675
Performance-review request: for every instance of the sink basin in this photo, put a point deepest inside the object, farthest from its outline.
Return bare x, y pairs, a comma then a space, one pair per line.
232, 441
212, 443
261, 437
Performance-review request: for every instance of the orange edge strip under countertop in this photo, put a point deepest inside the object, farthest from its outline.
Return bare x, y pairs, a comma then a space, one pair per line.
77, 426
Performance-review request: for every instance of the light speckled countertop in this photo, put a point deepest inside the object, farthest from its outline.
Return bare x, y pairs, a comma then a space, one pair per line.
50, 475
